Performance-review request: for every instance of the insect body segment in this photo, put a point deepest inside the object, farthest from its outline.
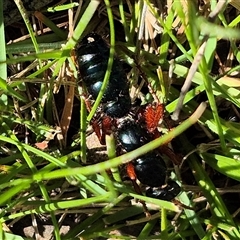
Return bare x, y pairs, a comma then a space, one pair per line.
150, 169
167, 193
92, 56
132, 136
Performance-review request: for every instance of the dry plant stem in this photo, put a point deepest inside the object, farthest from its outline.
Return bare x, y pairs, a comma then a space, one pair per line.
67, 113
188, 80
70, 19
77, 13
35, 226
219, 7
142, 23
142, 220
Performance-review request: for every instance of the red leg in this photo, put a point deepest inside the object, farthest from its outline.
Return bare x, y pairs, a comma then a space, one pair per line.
87, 103
176, 159
104, 130
97, 130
106, 125
94, 123
133, 177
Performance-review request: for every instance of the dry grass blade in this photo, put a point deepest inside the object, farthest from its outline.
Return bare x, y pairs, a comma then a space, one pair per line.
235, 3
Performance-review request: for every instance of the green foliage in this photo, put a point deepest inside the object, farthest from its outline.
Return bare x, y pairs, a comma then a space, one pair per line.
178, 65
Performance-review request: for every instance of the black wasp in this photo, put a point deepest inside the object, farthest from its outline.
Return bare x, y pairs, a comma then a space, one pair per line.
150, 169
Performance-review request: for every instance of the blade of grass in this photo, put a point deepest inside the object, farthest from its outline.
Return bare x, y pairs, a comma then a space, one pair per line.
162, 204
83, 127
111, 151
63, 7
3, 65
17, 186
165, 40
124, 158
225, 165
59, 32
164, 224
109, 65
147, 229
82, 24
217, 205
24, 14
87, 222
33, 150
10, 236
34, 170
124, 22
191, 215
214, 30
56, 54
9, 91
48, 207
21, 47
219, 88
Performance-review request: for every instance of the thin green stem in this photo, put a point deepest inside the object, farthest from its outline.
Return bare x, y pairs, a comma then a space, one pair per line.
126, 157
208, 87
82, 24
110, 62
124, 22
83, 126
164, 223
111, 151
3, 65
24, 14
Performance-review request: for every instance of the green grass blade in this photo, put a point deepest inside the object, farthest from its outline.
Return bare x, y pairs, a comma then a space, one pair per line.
3, 65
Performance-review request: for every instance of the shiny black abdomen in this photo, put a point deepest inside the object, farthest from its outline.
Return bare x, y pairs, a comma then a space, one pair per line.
92, 55
150, 169
132, 136
167, 193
